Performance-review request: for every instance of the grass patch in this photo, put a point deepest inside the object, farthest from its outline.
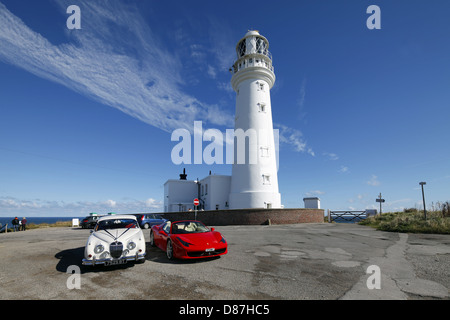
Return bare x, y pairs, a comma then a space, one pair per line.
49, 225
410, 221
57, 224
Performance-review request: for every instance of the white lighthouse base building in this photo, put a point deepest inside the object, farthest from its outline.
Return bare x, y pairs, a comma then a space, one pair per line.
212, 191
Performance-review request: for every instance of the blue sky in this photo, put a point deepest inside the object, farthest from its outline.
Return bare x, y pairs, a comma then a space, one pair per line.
86, 115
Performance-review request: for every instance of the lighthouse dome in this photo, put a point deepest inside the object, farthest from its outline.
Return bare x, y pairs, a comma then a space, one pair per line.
252, 33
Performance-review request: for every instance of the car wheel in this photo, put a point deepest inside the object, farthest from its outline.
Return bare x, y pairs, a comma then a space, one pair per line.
169, 250
152, 238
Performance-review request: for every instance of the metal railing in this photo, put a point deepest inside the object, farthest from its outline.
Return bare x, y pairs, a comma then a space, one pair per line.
4, 228
254, 60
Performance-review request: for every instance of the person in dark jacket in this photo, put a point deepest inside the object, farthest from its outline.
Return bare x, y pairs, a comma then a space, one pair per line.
15, 223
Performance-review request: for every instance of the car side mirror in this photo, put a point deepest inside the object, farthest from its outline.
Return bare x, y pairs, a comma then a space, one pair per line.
212, 229
92, 231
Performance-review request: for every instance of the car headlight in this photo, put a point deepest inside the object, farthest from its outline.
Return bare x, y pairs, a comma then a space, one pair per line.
223, 240
184, 243
131, 245
99, 249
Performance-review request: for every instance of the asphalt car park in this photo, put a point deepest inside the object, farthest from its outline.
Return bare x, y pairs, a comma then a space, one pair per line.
288, 262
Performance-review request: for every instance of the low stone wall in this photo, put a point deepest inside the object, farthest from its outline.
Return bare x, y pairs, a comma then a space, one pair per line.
251, 216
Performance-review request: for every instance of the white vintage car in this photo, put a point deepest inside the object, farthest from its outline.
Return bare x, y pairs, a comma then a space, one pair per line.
116, 239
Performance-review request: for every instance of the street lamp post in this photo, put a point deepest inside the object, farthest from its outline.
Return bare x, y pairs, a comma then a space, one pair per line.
423, 198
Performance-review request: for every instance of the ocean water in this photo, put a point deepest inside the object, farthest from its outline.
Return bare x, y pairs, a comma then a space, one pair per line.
38, 220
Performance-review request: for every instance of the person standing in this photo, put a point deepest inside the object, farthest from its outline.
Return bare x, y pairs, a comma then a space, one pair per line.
24, 223
15, 223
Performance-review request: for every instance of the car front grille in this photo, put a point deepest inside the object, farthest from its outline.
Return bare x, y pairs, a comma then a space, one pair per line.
116, 249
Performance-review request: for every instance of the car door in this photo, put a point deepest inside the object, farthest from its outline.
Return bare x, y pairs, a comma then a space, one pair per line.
151, 220
158, 234
159, 219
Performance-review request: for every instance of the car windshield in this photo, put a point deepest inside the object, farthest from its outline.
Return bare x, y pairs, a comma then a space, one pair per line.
116, 224
188, 227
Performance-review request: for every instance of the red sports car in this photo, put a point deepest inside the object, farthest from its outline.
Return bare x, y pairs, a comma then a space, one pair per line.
188, 240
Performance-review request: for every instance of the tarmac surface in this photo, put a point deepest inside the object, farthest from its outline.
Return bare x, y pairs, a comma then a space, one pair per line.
287, 262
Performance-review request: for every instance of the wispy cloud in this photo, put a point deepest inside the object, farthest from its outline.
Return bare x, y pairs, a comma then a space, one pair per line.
294, 138
343, 169
212, 72
132, 72
314, 193
116, 59
14, 206
373, 181
223, 46
331, 156
398, 205
301, 100
211, 54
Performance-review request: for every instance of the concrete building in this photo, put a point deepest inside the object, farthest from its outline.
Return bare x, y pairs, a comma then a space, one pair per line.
312, 203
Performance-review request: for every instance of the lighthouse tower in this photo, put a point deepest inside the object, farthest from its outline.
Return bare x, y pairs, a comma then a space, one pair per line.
254, 181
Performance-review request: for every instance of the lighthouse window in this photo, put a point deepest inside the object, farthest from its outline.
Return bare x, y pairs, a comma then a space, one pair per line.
264, 151
260, 86
266, 179
260, 45
241, 48
262, 107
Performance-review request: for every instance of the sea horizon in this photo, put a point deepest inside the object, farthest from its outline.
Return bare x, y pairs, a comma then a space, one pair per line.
51, 220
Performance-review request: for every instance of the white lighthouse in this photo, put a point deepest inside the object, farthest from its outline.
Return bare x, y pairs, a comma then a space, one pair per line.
254, 181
